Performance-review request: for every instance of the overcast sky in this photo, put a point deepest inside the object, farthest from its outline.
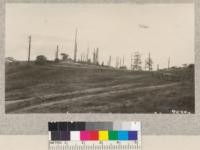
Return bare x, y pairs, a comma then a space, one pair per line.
116, 29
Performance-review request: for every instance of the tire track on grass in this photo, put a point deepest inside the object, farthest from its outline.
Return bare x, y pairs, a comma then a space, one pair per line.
86, 97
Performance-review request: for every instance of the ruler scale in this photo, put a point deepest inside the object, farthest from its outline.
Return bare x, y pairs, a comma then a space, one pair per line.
94, 135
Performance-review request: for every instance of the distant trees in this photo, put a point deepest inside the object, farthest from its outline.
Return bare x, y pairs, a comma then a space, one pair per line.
149, 63
184, 65
41, 60
136, 61
64, 56
191, 66
11, 61
96, 56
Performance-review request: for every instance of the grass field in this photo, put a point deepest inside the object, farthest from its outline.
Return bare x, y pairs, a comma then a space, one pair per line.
62, 88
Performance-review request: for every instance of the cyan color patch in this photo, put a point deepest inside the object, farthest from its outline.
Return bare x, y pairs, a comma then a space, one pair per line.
122, 135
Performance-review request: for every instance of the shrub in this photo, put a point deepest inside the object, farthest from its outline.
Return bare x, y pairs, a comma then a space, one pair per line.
41, 60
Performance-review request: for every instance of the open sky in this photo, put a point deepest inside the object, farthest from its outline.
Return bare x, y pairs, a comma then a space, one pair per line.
164, 30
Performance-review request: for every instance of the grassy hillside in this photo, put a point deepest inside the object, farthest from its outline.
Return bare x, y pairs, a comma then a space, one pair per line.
62, 88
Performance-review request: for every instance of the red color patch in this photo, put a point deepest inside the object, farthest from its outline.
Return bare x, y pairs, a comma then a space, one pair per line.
94, 135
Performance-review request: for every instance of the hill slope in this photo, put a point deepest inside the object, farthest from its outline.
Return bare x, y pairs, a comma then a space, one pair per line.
63, 88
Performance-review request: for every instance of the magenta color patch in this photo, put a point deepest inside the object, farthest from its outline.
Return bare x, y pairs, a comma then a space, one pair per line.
85, 135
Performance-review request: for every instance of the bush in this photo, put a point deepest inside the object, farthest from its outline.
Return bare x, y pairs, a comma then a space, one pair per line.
191, 66
41, 60
57, 60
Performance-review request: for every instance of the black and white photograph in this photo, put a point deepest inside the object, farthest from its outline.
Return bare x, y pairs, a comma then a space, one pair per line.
99, 58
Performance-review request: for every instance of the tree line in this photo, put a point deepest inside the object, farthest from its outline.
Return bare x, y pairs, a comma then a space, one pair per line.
136, 62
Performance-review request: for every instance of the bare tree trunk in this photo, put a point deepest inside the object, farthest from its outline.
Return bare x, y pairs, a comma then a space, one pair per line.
75, 47
168, 63
29, 49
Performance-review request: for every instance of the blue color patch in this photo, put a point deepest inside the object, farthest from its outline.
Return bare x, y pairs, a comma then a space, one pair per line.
132, 135
122, 135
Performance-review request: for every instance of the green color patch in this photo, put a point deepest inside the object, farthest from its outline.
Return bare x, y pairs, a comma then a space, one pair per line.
113, 135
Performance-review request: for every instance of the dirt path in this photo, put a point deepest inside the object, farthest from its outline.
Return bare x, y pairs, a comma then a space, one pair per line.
92, 93
86, 91
38, 100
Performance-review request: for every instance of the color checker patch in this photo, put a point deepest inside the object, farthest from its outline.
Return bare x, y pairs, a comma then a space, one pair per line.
103, 135
132, 135
122, 135
75, 135
113, 135
94, 131
94, 135
85, 135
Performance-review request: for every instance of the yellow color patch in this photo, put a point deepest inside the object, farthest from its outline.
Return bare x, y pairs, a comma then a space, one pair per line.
103, 135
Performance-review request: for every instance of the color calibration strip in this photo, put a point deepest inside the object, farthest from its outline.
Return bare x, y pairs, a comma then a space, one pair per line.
94, 135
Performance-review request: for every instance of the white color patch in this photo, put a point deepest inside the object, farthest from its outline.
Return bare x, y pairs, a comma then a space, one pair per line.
75, 135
